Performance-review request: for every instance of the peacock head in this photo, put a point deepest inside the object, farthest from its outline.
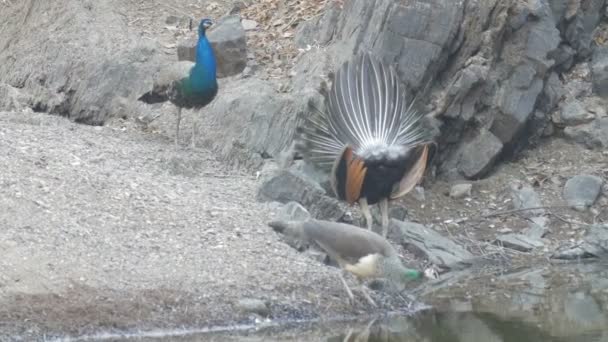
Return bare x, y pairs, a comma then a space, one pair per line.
203, 26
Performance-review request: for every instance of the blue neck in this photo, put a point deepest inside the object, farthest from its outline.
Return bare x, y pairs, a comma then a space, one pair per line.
203, 75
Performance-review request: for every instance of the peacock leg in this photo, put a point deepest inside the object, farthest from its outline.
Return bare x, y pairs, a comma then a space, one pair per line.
179, 118
348, 291
384, 213
193, 143
366, 212
367, 296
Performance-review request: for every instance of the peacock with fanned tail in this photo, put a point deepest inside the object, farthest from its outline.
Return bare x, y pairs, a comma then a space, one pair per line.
370, 140
186, 84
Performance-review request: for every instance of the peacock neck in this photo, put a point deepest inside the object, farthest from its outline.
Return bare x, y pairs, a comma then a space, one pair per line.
203, 75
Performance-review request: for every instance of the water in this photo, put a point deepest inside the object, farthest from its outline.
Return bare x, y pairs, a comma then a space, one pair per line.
566, 303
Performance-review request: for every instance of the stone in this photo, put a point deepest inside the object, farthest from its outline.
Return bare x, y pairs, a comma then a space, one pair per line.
524, 197
518, 242
250, 120
461, 190
293, 211
227, 37
66, 73
11, 99
253, 305
594, 245
594, 135
599, 71
440, 250
581, 191
517, 103
478, 156
288, 186
573, 113
553, 92
249, 25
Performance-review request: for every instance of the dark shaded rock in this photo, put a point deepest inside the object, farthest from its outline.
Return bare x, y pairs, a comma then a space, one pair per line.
288, 186
517, 103
552, 93
581, 191
441, 251
593, 134
229, 43
477, 156
577, 21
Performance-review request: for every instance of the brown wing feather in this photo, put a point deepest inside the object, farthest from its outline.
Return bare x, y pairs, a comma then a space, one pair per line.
354, 179
413, 176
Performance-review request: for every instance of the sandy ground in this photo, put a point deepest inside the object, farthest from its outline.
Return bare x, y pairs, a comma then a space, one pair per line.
107, 227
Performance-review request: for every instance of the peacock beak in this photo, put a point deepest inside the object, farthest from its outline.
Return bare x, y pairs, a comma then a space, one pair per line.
208, 24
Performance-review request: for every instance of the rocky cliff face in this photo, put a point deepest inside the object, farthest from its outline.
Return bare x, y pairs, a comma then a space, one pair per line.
501, 73
498, 66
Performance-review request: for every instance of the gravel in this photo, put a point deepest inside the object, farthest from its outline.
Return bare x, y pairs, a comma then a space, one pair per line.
109, 227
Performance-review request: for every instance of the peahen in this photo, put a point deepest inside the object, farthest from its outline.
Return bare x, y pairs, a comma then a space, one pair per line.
361, 252
371, 141
186, 84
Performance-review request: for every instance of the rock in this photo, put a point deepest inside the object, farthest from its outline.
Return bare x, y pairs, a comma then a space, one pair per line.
595, 245
573, 113
581, 191
289, 186
518, 242
250, 120
477, 156
552, 93
255, 306
525, 197
537, 227
461, 190
517, 103
578, 22
11, 99
249, 25
599, 71
593, 135
66, 72
293, 211
441, 251
229, 43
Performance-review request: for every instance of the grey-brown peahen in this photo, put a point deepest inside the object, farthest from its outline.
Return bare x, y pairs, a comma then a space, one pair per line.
370, 140
186, 84
361, 252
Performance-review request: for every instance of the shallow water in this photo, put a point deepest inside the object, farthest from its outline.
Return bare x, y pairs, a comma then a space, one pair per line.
550, 303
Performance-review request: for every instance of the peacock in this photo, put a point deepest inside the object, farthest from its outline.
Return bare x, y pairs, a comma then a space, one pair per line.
358, 251
186, 84
373, 144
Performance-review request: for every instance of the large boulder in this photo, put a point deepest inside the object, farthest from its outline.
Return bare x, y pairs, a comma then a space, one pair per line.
74, 58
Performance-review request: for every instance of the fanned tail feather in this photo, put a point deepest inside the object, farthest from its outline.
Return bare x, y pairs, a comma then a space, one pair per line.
367, 110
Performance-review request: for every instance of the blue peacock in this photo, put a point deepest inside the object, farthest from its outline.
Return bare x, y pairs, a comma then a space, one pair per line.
186, 84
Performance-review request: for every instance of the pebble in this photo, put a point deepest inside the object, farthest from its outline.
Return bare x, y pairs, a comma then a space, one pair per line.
461, 190
581, 191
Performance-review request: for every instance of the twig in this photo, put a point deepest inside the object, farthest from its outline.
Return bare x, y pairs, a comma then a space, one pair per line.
506, 212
